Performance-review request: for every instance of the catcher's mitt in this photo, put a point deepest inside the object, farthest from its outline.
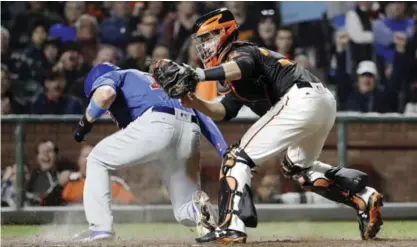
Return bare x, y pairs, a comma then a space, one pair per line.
175, 79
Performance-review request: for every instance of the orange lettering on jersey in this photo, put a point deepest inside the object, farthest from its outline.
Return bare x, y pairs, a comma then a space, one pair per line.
284, 62
245, 35
264, 51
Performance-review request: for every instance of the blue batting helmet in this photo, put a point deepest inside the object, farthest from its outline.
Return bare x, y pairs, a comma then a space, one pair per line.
96, 72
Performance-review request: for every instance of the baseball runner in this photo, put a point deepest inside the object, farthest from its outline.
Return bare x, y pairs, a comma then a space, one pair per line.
155, 130
296, 114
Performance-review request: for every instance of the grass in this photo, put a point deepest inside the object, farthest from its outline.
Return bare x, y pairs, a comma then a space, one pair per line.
333, 230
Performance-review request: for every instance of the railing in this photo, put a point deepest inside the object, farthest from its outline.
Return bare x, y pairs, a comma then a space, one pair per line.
21, 120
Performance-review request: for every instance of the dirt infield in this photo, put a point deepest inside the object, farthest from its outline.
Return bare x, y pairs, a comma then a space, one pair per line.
282, 234
269, 243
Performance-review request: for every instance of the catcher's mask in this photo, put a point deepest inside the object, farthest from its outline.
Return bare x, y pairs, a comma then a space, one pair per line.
213, 32
96, 72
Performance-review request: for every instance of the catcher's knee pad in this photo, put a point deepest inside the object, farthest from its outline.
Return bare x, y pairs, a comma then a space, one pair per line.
338, 184
236, 207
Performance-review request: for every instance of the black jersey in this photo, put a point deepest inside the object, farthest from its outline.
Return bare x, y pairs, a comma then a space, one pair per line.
266, 77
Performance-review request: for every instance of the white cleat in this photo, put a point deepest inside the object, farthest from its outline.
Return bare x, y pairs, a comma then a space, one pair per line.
90, 236
206, 214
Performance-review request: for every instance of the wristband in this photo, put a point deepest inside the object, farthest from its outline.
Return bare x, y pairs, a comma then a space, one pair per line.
214, 74
94, 110
211, 74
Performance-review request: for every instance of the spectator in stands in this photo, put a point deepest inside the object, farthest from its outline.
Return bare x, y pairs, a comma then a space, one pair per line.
178, 26
45, 176
188, 54
25, 21
72, 64
5, 40
160, 51
113, 29
96, 10
156, 8
67, 32
385, 29
136, 57
51, 49
39, 35
73, 183
212, 5
8, 186
53, 100
268, 189
267, 29
245, 20
107, 53
48, 58
367, 95
87, 31
24, 71
9, 105
284, 42
359, 29
305, 62
148, 28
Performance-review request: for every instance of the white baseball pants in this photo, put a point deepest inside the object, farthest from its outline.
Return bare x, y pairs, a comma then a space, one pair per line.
298, 123
169, 142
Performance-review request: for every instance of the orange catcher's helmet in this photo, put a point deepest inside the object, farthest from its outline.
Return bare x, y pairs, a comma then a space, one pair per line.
213, 32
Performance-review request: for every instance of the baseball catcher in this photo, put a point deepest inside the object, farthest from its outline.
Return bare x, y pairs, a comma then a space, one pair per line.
296, 113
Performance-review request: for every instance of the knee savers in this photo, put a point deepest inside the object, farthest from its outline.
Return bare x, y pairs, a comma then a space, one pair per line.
235, 194
334, 183
321, 175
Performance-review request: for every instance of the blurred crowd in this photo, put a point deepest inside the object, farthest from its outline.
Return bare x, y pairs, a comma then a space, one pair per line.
57, 181
364, 51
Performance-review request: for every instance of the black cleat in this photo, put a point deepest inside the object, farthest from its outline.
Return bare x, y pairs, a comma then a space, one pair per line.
223, 237
370, 221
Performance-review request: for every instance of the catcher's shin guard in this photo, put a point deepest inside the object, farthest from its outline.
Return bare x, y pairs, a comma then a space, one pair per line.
236, 208
347, 186
338, 184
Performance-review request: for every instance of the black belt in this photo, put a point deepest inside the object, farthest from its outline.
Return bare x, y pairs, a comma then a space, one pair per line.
171, 111
303, 84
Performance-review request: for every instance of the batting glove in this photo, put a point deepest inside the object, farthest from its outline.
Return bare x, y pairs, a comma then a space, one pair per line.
81, 129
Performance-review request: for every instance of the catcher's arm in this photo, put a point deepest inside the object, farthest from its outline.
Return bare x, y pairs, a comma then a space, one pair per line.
229, 71
241, 64
214, 110
234, 70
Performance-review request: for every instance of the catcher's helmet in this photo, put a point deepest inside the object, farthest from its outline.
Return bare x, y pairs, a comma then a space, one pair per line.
213, 32
97, 71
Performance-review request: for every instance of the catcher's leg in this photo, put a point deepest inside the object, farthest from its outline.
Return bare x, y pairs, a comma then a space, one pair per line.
270, 135
343, 185
296, 116
236, 208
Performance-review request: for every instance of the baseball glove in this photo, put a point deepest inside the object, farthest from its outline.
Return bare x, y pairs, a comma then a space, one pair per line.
176, 80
